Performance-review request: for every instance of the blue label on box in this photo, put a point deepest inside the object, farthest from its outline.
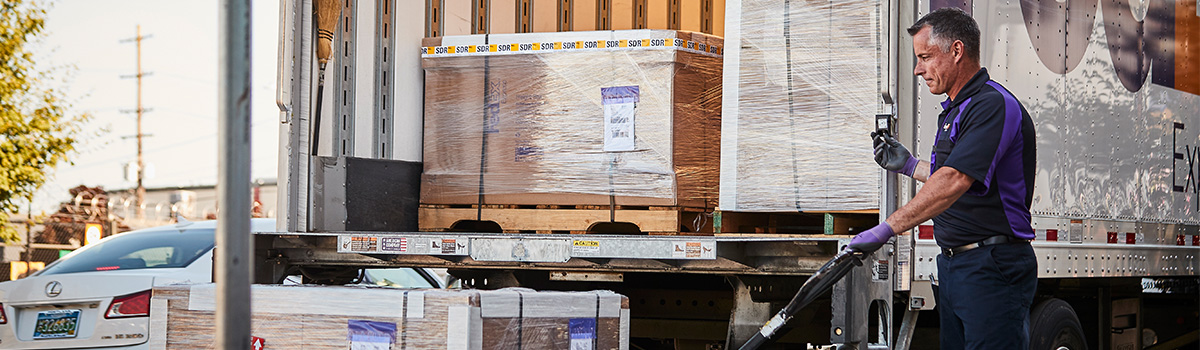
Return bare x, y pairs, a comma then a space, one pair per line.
583, 333
371, 331
619, 94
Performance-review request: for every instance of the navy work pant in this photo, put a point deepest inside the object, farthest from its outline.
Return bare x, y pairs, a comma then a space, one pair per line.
983, 297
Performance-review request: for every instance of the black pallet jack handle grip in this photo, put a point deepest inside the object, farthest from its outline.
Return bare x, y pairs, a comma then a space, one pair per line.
818, 284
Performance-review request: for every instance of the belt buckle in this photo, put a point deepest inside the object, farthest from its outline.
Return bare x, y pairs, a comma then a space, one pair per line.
949, 253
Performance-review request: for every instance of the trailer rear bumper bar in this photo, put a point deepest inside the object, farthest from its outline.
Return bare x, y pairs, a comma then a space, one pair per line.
731, 254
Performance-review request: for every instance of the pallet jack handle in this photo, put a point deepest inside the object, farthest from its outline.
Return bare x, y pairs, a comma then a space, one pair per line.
818, 284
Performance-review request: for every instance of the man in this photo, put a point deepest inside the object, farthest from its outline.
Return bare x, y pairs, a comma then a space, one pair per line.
978, 189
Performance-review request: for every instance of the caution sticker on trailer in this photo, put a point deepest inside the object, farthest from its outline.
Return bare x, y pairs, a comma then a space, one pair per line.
385, 244
585, 246
364, 244
447, 246
693, 250
673, 43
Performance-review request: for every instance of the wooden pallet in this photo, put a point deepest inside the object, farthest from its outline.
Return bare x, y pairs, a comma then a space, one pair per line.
566, 219
829, 223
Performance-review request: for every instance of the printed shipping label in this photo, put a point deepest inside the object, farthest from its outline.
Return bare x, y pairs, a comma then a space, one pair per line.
582, 246
620, 107
370, 335
583, 333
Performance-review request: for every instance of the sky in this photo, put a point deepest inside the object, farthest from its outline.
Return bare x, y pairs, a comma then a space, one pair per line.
179, 90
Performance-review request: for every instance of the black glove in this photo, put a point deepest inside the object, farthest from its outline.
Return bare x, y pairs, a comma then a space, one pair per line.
891, 154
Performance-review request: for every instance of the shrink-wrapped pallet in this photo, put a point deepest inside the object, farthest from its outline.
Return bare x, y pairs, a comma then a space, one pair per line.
802, 82
572, 118
322, 317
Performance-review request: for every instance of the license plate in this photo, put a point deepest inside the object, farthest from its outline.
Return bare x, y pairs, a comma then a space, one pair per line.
55, 324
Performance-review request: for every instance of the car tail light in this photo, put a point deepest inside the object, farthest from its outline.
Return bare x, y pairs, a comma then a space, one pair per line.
130, 305
3, 317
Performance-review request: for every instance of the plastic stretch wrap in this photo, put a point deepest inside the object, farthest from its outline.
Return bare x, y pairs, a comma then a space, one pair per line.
321, 317
572, 118
801, 92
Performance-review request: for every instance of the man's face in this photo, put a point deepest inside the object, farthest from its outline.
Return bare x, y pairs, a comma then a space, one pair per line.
933, 65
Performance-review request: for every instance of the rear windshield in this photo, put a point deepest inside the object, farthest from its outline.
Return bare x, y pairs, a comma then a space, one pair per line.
400, 278
137, 250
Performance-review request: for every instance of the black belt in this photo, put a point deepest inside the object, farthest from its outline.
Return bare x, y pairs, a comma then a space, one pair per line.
1001, 239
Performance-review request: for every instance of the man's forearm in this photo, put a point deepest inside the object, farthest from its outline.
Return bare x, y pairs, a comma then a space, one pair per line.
939, 192
921, 173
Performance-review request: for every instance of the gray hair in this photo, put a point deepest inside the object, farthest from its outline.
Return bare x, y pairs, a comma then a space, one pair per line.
948, 24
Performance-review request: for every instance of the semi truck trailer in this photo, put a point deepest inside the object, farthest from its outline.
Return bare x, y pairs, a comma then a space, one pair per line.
1113, 87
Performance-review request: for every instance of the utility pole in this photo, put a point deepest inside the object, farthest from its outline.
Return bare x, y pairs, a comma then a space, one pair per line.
140, 192
235, 246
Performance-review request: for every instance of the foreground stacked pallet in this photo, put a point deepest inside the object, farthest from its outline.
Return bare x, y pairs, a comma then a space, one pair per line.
318, 317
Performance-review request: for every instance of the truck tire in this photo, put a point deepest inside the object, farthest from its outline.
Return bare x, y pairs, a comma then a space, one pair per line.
1053, 325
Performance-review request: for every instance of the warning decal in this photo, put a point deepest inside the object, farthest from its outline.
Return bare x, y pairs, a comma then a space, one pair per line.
585, 246
693, 250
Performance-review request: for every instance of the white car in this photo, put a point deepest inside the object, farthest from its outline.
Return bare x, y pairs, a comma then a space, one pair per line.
99, 296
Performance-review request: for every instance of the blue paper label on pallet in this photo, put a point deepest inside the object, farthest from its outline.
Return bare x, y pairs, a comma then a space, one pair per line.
583, 333
619, 94
371, 335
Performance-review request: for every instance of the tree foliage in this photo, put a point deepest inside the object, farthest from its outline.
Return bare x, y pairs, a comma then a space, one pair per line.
36, 132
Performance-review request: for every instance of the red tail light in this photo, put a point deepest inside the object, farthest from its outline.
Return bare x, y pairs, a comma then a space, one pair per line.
3, 317
130, 305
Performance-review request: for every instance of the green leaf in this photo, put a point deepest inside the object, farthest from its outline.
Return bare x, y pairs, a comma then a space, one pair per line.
36, 131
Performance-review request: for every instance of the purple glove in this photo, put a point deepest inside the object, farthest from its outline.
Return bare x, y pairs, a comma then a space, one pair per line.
870, 240
891, 155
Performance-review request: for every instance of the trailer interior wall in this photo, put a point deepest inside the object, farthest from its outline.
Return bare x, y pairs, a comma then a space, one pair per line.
801, 88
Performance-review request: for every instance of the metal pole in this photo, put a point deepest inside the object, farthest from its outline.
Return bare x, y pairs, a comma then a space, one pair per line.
233, 239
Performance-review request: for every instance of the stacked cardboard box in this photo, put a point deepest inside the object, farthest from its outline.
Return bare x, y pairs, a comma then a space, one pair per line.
802, 82
318, 317
572, 118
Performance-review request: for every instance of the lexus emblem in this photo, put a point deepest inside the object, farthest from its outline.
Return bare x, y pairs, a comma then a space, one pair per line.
53, 289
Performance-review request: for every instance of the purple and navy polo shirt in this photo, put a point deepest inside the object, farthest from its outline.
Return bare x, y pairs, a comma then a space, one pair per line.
987, 135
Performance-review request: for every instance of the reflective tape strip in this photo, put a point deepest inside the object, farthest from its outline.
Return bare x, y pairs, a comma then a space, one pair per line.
680, 44
925, 232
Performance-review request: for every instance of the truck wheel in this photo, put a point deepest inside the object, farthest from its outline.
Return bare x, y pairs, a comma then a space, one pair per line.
1053, 325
